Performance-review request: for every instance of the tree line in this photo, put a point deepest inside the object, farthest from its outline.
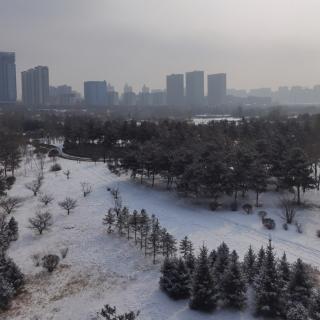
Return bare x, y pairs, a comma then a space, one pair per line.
221, 158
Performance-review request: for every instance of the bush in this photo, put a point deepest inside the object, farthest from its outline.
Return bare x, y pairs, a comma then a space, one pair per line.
285, 227
318, 233
247, 208
55, 167
213, 205
50, 262
10, 181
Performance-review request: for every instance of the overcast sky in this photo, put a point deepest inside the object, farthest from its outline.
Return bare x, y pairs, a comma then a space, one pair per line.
259, 43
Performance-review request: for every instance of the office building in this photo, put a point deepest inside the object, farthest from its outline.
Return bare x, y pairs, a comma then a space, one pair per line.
217, 89
8, 86
195, 88
35, 86
158, 98
95, 93
175, 90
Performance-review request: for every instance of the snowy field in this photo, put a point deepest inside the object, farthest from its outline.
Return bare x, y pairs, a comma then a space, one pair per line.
102, 268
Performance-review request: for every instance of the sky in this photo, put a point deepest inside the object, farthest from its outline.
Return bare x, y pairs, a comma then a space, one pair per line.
258, 43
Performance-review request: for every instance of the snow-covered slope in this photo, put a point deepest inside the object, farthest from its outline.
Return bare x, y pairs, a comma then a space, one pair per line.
102, 268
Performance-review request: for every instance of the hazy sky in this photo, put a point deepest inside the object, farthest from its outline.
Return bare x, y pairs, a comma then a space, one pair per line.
257, 42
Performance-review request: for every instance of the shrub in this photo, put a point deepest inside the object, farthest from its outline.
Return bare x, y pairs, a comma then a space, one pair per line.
50, 262
10, 181
318, 233
285, 227
55, 167
247, 208
213, 205
36, 259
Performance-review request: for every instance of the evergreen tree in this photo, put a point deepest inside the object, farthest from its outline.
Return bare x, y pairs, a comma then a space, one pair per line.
260, 259
186, 247
249, 265
144, 223
315, 305
190, 261
175, 279
284, 270
121, 221
154, 238
297, 172
135, 224
233, 286
300, 285
203, 289
169, 247
267, 287
6, 293
109, 220
222, 261
212, 258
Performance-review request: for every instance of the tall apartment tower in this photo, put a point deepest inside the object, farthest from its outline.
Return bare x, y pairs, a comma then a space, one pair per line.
95, 93
195, 88
217, 89
35, 86
175, 90
8, 85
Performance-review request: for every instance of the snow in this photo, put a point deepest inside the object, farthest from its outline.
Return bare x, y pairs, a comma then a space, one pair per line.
102, 268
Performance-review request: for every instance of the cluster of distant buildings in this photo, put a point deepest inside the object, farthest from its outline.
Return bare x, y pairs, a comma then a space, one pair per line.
189, 89
181, 90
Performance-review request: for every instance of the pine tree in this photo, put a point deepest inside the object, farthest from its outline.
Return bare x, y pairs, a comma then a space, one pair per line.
127, 220
300, 285
315, 305
203, 290
175, 280
249, 265
222, 261
109, 220
212, 258
186, 247
144, 227
190, 261
121, 222
267, 287
260, 259
6, 293
135, 224
10, 271
169, 246
284, 270
233, 286
13, 231
154, 238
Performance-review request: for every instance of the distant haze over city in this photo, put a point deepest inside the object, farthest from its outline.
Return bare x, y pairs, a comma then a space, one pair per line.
265, 43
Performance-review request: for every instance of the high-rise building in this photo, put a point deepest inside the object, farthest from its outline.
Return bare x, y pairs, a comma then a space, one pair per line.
175, 90
95, 93
129, 98
217, 89
8, 86
35, 86
195, 88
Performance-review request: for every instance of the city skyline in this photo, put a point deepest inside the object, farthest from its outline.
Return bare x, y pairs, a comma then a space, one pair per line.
116, 40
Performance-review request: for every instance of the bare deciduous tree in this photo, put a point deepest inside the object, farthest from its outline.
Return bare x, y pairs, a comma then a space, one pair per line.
68, 204
86, 188
10, 204
288, 209
41, 221
46, 199
35, 185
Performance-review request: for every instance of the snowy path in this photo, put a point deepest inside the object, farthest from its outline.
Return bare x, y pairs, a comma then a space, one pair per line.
103, 269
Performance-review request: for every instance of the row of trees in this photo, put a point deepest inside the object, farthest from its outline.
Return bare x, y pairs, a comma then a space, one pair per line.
219, 279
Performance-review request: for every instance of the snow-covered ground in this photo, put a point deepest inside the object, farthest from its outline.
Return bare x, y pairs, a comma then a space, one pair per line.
102, 268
